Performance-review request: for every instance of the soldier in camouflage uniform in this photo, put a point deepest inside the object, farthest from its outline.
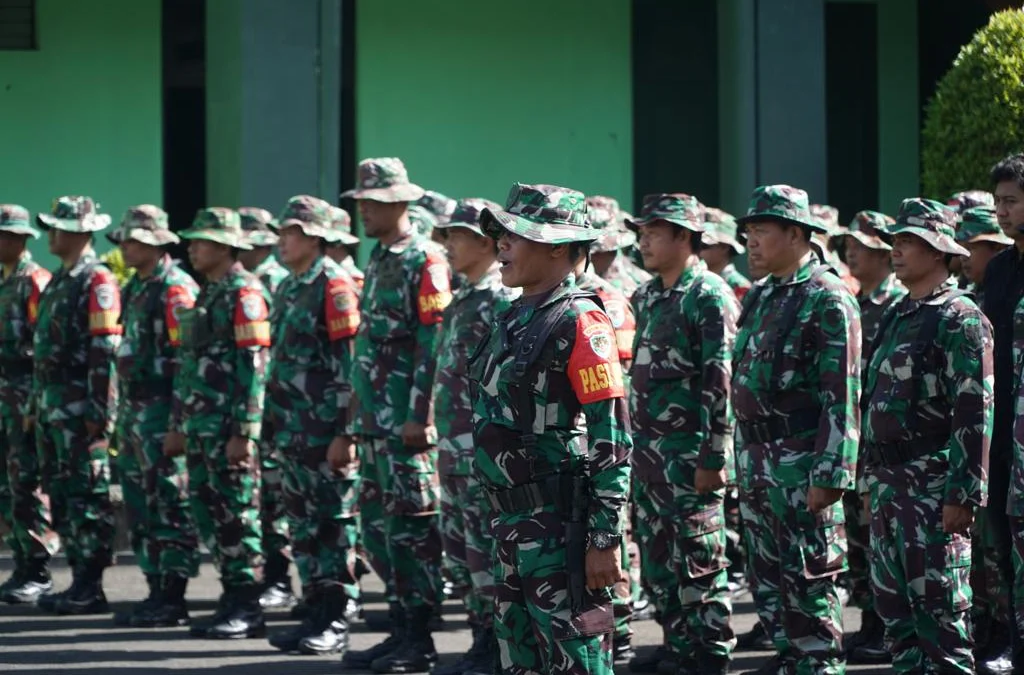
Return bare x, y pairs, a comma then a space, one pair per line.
796, 384
423, 221
24, 509
683, 451
720, 247
552, 442
827, 242
979, 233
606, 253
341, 244
442, 207
927, 427
219, 408
407, 289
960, 202
155, 485
261, 261
313, 320
465, 509
75, 399
868, 252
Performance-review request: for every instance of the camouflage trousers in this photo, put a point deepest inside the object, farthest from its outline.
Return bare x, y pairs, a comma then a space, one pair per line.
989, 585
156, 493
323, 518
682, 552
273, 514
24, 508
469, 545
1017, 551
858, 535
734, 531
76, 475
794, 559
404, 483
225, 502
536, 630
921, 577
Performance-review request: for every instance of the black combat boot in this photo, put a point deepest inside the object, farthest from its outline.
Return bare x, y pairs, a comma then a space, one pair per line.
88, 597
482, 639
34, 583
124, 617
773, 666
224, 607
245, 618
170, 610
330, 631
757, 639
868, 644
16, 579
708, 664
288, 641
48, 601
277, 590
622, 648
483, 654
648, 665
997, 656
361, 660
416, 653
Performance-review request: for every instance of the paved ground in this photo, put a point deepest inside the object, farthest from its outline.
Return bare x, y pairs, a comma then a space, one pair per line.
32, 641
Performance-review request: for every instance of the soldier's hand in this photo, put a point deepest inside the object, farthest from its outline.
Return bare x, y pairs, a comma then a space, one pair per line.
604, 568
28, 423
957, 519
239, 450
709, 480
93, 429
174, 444
414, 435
819, 498
341, 453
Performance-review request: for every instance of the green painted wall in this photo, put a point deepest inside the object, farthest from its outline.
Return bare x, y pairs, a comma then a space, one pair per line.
82, 115
491, 93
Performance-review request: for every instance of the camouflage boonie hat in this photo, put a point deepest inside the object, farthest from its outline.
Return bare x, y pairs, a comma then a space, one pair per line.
869, 228
15, 219
73, 214
423, 220
221, 225
723, 231
146, 224
259, 226
442, 206
312, 215
384, 179
604, 215
547, 214
828, 217
781, 202
467, 215
676, 208
341, 228
930, 220
980, 224
969, 199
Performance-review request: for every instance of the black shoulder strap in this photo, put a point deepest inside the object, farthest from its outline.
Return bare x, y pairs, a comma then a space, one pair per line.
792, 305
749, 300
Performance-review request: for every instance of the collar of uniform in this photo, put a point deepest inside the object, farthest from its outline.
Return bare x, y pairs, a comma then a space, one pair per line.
87, 257
313, 272
884, 290
401, 243
236, 269
268, 262
936, 297
802, 274
560, 291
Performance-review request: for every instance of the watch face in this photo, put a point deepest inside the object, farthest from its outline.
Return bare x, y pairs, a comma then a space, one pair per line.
602, 540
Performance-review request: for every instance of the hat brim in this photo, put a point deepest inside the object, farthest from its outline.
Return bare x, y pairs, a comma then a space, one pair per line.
24, 230
216, 236
308, 229
714, 238
342, 239
873, 242
149, 237
991, 238
262, 238
774, 217
936, 241
634, 223
495, 223
409, 192
97, 222
613, 241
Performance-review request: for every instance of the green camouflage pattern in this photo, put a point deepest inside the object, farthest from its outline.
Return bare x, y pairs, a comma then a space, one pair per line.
547, 214
24, 509
677, 208
721, 230
739, 284
537, 631
15, 219
873, 306
828, 216
270, 273
155, 487
682, 417
921, 574
625, 275
467, 215
868, 227
468, 546
341, 228
312, 215
930, 220
961, 201
146, 224
258, 225
422, 220
1015, 496
74, 214
604, 214
442, 206
220, 225
781, 202
384, 179
979, 224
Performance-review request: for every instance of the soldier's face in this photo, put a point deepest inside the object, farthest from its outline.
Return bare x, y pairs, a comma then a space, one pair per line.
137, 254
982, 253
11, 247
379, 218
772, 247
207, 255
913, 259
296, 247
716, 255
661, 246
526, 264
467, 249
1010, 208
866, 262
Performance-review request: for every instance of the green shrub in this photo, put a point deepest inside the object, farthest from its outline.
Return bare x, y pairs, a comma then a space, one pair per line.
977, 115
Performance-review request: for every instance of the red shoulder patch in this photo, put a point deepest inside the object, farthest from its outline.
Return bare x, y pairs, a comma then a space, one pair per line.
252, 327
178, 299
104, 304
341, 307
623, 322
38, 280
435, 290
594, 369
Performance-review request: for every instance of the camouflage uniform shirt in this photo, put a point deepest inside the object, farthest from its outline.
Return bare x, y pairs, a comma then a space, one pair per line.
270, 273
739, 284
625, 275
19, 310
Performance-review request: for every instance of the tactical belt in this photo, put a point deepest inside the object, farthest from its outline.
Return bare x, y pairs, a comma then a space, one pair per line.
902, 452
780, 428
555, 491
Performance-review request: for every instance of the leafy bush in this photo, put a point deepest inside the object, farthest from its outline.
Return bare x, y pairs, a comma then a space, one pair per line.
977, 115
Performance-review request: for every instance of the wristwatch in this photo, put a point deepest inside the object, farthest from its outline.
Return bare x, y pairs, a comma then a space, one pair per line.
603, 540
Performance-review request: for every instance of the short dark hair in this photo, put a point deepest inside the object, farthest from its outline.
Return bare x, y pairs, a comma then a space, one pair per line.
578, 249
1009, 169
696, 241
